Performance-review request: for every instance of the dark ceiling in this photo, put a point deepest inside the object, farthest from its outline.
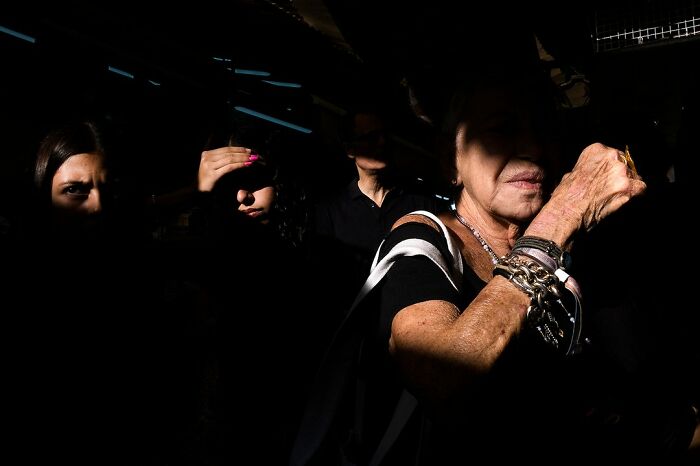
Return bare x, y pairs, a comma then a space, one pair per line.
339, 50
382, 38
329, 45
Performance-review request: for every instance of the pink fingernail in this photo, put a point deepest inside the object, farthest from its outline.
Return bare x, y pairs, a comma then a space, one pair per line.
253, 157
247, 163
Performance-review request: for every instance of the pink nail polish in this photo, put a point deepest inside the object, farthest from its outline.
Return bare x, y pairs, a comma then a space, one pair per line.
253, 157
247, 163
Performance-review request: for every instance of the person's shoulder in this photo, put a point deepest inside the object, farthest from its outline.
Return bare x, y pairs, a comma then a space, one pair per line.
417, 217
416, 226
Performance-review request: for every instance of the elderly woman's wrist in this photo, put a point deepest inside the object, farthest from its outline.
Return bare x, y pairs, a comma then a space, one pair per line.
555, 224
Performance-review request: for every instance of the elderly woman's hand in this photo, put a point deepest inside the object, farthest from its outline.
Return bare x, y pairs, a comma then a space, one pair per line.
599, 184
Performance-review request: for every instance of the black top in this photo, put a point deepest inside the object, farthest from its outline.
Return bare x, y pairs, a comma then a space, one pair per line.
481, 420
358, 222
533, 405
537, 403
351, 226
347, 231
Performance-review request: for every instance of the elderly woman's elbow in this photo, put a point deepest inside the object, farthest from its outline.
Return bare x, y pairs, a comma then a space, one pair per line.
436, 366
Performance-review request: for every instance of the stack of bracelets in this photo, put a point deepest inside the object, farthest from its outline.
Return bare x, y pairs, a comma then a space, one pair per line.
538, 267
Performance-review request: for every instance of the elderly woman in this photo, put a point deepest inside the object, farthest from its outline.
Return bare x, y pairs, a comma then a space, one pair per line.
460, 344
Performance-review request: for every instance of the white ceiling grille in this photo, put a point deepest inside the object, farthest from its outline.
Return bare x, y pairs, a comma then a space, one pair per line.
652, 22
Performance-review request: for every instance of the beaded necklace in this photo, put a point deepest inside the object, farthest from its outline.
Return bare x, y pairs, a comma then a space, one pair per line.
475, 232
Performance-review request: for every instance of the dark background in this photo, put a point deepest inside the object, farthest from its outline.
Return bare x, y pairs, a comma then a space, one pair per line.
644, 95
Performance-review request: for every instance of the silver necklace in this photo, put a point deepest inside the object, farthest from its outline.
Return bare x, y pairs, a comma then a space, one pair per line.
475, 232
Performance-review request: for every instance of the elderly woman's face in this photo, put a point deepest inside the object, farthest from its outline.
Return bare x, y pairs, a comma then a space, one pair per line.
498, 158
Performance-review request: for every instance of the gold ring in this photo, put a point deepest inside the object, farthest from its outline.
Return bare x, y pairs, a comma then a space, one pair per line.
629, 162
622, 157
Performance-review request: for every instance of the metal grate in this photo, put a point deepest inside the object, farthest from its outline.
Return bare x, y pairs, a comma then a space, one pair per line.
622, 26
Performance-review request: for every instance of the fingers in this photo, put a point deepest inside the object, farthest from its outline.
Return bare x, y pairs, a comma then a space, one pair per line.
626, 159
601, 155
219, 172
603, 179
637, 186
623, 173
622, 157
632, 188
629, 162
631, 165
623, 180
218, 162
226, 159
222, 156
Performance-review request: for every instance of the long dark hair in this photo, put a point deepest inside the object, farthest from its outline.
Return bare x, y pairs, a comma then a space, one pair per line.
278, 151
291, 211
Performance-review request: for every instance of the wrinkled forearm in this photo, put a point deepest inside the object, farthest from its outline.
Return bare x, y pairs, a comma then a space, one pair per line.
445, 354
598, 185
558, 222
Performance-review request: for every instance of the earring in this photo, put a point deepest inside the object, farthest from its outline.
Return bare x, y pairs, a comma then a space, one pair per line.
454, 181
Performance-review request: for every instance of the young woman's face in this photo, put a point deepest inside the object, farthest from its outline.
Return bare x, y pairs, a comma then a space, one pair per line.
252, 188
77, 187
256, 202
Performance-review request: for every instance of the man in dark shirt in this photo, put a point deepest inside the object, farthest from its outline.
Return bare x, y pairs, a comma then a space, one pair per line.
359, 223
350, 226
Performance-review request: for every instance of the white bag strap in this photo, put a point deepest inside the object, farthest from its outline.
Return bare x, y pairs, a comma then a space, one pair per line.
416, 247
339, 361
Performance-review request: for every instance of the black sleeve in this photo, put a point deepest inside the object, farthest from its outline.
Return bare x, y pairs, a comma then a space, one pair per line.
414, 279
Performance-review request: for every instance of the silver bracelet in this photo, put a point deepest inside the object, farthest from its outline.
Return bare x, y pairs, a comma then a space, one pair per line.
536, 280
547, 313
544, 250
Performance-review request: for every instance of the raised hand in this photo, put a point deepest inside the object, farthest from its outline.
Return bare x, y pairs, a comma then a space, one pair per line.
601, 182
218, 162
